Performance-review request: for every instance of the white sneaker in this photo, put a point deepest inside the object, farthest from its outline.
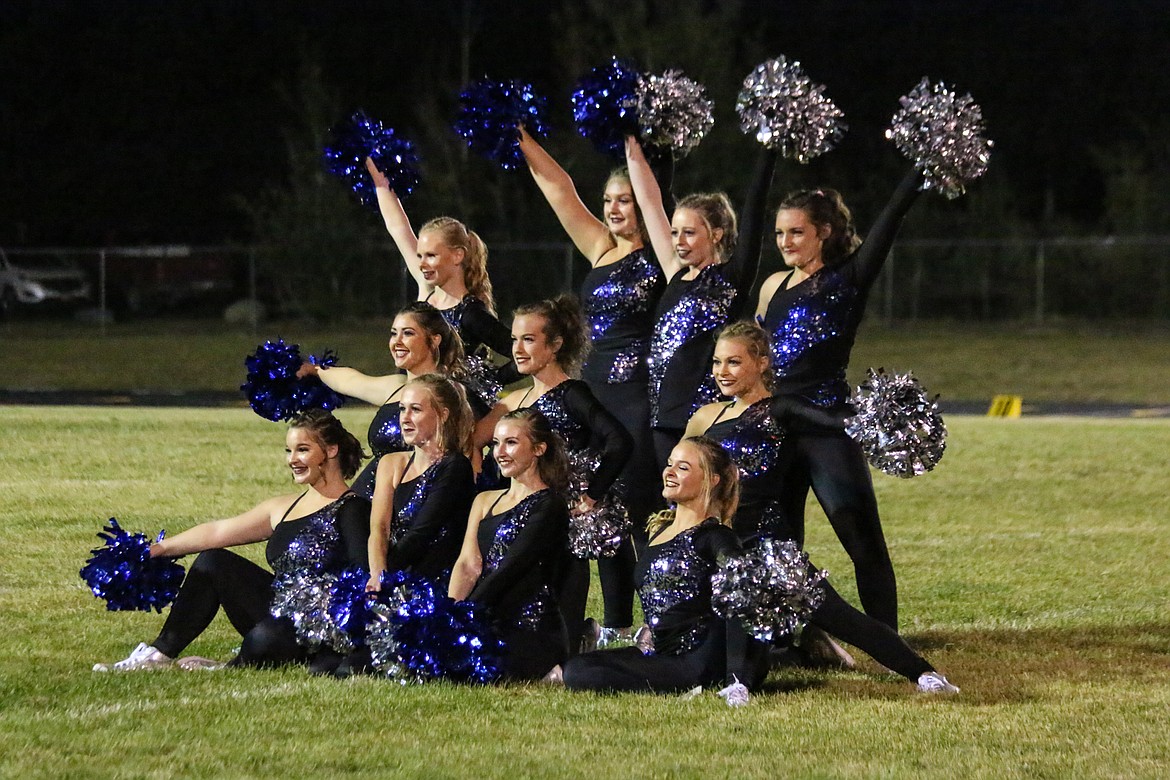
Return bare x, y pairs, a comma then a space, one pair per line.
644, 640
736, 694
615, 637
933, 682
144, 657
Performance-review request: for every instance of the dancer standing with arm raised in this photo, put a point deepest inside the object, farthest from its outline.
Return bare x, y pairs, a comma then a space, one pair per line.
618, 296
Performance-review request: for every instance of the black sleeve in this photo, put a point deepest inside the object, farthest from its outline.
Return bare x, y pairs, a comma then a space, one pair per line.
353, 524
606, 435
447, 504
874, 250
803, 416
478, 326
744, 265
661, 163
542, 538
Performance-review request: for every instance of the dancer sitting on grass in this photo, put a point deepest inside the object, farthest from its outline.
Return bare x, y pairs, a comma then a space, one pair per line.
692, 645
515, 546
326, 519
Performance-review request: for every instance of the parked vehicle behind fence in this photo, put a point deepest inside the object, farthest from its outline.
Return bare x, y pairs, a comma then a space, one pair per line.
42, 281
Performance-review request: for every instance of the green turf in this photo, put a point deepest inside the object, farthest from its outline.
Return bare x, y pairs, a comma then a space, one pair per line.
962, 362
1032, 570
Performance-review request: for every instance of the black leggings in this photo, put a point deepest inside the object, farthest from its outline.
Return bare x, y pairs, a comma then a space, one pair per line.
642, 486
837, 617
836, 469
219, 578
627, 669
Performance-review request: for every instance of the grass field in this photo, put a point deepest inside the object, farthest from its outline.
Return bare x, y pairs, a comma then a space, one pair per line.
1032, 570
962, 362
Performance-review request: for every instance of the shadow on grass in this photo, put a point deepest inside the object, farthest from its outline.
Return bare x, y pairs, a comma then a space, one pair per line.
1005, 665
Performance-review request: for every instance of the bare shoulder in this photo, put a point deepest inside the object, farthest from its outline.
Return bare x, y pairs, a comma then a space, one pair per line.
701, 420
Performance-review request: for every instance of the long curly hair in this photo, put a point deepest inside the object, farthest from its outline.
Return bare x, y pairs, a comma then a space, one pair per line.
328, 431
553, 465
449, 354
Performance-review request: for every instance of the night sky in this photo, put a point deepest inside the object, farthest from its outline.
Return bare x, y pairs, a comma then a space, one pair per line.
125, 122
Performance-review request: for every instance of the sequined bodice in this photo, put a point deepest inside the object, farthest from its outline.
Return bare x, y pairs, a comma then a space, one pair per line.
752, 440
309, 543
385, 434
498, 532
812, 327
619, 300
703, 307
676, 575
409, 496
552, 405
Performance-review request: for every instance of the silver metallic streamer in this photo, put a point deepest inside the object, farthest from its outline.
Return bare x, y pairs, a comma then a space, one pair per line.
599, 533
897, 425
786, 111
673, 112
772, 589
942, 134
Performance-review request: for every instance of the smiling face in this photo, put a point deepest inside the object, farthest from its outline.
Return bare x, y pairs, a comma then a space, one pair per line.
411, 346
306, 457
419, 417
683, 479
531, 348
737, 373
694, 242
514, 449
799, 240
438, 262
619, 209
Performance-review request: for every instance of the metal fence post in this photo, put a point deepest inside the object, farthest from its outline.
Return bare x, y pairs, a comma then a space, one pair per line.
102, 312
1039, 313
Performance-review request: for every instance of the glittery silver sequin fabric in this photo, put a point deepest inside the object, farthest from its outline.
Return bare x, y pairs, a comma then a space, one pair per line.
404, 518
704, 307
313, 548
752, 440
628, 291
677, 574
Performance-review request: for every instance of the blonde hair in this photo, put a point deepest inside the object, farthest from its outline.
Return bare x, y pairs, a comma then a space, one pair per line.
623, 174
454, 432
475, 252
757, 342
720, 484
715, 209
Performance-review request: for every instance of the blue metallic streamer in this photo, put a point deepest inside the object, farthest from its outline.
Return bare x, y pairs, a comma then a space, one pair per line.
489, 113
359, 137
271, 385
123, 574
605, 106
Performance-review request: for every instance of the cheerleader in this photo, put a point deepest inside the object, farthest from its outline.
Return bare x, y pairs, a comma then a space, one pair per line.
812, 312
326, 518
619, 295
449, 264
513, 547
710, 275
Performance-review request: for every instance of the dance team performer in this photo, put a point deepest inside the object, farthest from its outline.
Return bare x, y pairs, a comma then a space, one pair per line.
421, 342
711, 270
514, 546
618, 295
326, 518
422, 496
812, 312
549, 343
448, 261
693, 646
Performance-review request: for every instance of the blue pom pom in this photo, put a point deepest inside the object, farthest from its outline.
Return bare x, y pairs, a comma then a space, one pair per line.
349, 604
419, 635
123, 573
605, 106
489, 112
272, 387
359, 137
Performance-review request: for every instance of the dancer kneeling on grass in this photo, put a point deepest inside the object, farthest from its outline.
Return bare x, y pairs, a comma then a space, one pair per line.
692, 645
515, 545
326, 518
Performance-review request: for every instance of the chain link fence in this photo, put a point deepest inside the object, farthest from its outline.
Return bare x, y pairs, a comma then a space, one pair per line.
965, 279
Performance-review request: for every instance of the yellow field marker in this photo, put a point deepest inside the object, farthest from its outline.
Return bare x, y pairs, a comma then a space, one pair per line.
1006, 406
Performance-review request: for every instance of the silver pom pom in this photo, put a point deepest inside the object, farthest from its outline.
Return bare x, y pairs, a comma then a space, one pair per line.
303, 597
673, 112
942, 134
772, 589
599, 533
785, 111
897, 425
